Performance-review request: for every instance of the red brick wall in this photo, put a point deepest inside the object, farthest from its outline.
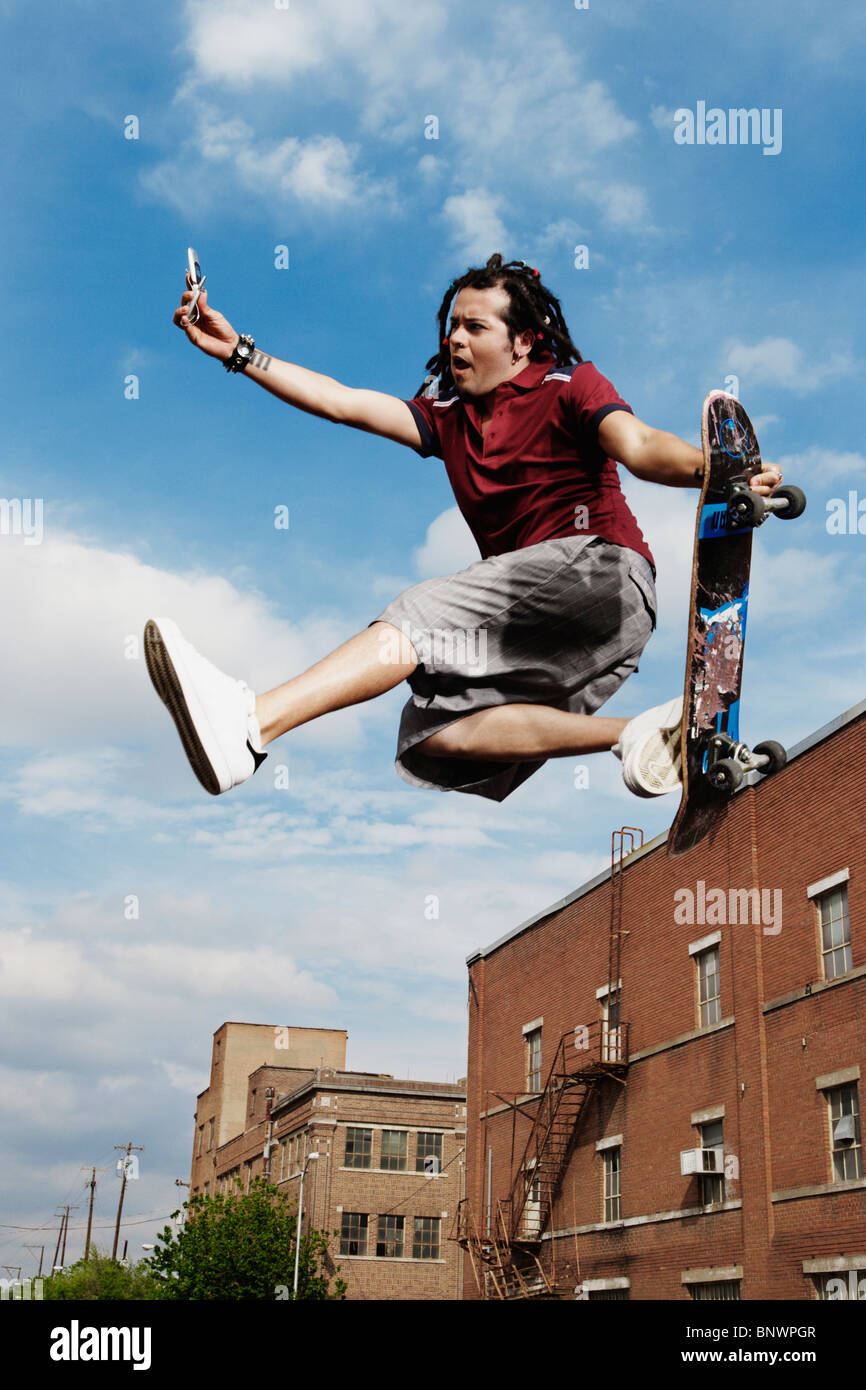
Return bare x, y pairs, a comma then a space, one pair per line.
790, 831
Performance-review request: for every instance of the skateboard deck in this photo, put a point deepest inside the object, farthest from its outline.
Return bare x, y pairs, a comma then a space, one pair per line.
714, 761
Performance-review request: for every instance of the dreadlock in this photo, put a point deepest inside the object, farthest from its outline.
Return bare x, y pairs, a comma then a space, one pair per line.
531, 306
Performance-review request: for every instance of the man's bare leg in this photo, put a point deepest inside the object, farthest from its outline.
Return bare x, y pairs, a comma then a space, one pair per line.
523, 733
379, 658
367, 665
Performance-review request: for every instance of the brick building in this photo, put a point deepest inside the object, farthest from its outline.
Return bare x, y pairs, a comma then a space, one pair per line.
388, 1174
666, 1068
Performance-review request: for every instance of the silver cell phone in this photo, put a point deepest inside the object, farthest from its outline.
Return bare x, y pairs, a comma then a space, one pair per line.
195, 282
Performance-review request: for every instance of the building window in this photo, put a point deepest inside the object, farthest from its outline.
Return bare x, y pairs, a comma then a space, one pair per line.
533, 1060
425, 1241
709, 987
845, 1285
712, 1179
389, 1241
283, 1147
429, 1146
359, 1148
210, 1133
595, 1295
835, 931
845, 1147
207, 1189
394, 1150
611, 1033
612, 1184
200, 1141
353, 1233
532, 1205
252, 1102
722, 1290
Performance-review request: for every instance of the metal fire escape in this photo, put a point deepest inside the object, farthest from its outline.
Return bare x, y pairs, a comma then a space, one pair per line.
507, 1258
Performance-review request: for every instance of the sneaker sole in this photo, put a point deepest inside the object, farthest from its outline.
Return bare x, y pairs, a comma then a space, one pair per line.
169, 688
660, 762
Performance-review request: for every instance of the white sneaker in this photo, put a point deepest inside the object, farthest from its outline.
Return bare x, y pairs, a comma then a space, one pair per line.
214, 715
649, 747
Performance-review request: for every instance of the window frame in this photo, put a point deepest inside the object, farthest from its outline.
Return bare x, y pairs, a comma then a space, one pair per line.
396, 1222
712, 1004
612, 1183
534, 1073
820, 900
402, 1165
346, 1238
855, 1149
365, 1153
422, 1149
418, 1238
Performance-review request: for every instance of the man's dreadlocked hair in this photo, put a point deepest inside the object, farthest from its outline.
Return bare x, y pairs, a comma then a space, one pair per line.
532, 307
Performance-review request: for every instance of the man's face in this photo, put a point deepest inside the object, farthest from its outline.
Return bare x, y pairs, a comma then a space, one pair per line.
482, 353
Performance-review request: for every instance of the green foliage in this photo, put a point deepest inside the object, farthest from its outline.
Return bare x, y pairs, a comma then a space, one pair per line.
101, 1277
237, 1245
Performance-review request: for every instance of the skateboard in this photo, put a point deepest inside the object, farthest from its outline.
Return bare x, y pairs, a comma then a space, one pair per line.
714, 760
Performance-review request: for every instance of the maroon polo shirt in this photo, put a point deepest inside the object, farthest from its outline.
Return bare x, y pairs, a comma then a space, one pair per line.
539, 461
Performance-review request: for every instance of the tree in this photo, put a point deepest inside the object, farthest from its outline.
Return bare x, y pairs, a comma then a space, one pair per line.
100, 1277
237, 1245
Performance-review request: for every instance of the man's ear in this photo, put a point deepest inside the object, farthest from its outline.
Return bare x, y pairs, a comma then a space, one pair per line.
525, 341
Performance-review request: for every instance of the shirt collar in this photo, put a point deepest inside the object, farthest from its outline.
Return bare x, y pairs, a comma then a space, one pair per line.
533, 373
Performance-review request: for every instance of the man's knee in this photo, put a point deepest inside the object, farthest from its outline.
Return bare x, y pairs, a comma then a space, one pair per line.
445, 743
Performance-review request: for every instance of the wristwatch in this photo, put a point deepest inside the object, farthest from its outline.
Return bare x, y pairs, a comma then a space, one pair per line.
242, 355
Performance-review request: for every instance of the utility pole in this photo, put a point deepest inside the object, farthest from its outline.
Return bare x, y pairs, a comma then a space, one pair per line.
61, 1235
92, 1186
17, 1274
57, 1250
128, 1150
65, 1233
41, 1249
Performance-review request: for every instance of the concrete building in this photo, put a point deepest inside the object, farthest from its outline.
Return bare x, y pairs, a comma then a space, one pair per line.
388, 1173
666, 1068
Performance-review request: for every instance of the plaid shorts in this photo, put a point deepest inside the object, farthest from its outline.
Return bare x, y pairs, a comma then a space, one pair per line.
560, 623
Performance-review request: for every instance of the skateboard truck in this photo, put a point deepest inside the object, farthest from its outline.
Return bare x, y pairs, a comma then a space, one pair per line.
728, 761
748, 508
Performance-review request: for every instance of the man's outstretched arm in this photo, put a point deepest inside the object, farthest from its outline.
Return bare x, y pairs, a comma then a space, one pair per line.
660, 457
373, 411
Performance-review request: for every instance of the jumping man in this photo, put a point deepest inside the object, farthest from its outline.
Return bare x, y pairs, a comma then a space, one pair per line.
509, 659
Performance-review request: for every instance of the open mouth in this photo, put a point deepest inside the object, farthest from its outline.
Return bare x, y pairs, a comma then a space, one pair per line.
459, 364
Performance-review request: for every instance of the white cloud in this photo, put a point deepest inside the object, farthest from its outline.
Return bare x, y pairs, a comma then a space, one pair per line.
320, 173
781, 362
526, 111
820, 465
624, 205
449, 546
476, 228
663, 118
70, 613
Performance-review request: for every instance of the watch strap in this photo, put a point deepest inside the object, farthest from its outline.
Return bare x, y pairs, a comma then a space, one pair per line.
240, 360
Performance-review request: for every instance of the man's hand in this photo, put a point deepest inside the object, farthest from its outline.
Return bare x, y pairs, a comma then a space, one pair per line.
766, 481
213, 333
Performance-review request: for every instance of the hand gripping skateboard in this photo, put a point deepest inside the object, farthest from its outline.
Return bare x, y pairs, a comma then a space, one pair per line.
714, 760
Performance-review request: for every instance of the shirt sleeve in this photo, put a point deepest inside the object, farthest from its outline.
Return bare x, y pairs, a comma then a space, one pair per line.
589, 397
428, 426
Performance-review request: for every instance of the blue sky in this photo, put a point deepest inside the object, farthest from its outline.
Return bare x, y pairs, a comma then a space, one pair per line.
305, 127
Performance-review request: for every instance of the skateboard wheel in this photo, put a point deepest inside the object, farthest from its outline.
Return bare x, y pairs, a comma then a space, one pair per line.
796, 499
775, 752
746, 508
726, 775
